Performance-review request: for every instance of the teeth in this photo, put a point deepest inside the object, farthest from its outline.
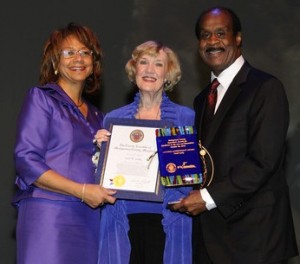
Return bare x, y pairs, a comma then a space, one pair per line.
149, 78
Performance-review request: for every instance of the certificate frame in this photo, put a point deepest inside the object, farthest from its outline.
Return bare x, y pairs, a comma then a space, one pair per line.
128, 194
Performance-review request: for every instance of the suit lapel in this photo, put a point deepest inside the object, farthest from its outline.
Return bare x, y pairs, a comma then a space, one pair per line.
200, 109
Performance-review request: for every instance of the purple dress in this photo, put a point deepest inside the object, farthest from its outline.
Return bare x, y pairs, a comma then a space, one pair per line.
114, 242
52, 134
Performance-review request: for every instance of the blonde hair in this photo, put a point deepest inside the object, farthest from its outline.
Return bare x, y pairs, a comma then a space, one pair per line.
153, 48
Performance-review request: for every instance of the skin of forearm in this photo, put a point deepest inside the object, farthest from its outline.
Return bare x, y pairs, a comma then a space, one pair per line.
52, 181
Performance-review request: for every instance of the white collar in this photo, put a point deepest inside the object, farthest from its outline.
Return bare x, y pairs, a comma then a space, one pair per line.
226, 76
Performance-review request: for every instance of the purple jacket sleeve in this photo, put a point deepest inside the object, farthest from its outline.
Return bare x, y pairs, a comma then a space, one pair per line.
32, 132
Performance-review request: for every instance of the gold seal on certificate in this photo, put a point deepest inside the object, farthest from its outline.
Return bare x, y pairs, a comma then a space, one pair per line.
118, 181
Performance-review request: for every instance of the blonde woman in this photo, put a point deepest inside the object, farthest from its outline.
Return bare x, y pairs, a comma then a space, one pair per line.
147, 232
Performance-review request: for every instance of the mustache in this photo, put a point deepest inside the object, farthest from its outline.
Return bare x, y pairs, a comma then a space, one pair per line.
212, 49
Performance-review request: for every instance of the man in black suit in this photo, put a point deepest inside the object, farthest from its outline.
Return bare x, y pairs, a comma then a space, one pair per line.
244, 215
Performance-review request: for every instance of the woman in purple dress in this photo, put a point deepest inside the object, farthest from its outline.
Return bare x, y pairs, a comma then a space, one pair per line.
58, 201
147, 232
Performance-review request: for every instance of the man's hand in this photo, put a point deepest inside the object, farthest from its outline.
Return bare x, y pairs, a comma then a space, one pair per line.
193, 204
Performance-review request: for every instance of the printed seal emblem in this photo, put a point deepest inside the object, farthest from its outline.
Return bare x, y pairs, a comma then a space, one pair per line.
171, 167
118, 181
136, 135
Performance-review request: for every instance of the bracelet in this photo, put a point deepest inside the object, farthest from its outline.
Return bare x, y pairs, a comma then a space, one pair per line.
83, 191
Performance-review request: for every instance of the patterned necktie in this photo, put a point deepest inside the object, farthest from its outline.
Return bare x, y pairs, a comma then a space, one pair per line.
210, 104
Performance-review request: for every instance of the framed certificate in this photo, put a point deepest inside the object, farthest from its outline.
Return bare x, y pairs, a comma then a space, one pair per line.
129, 161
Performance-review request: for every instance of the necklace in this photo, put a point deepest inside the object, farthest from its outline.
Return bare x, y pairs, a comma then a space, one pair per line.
156, 117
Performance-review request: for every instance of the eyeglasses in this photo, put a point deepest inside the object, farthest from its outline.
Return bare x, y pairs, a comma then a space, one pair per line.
70, 53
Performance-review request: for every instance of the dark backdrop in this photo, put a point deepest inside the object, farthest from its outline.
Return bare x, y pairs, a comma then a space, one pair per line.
270, 42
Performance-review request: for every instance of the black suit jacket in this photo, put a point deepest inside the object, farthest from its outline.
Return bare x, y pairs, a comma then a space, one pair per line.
247, 137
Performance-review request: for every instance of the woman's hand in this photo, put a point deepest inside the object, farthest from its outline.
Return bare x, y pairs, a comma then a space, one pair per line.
102, 135
94, 195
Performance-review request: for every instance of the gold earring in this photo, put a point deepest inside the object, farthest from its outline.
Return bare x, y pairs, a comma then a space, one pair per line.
55, 72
